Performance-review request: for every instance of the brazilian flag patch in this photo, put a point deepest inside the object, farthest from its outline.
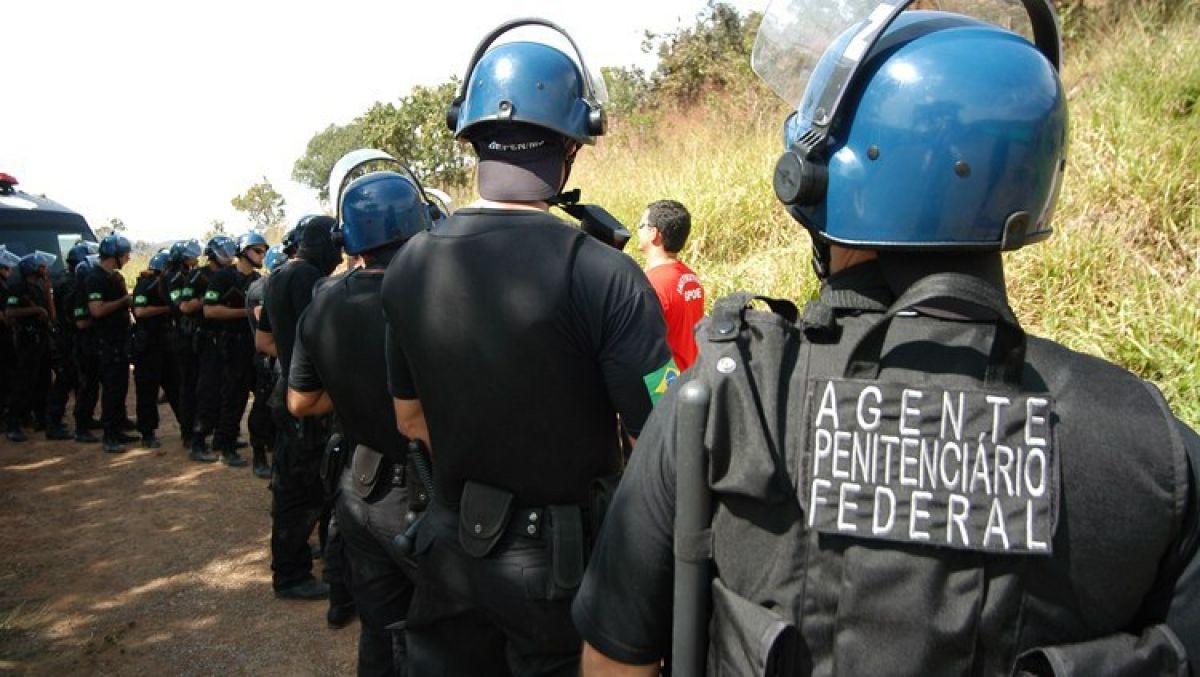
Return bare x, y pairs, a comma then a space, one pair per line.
12, 300
139, 300
658, 381
95, 296
175, 295
211, 296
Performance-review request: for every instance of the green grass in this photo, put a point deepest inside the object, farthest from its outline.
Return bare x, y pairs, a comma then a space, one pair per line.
1119, 279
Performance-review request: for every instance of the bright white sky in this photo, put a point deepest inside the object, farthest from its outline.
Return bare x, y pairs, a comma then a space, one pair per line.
159, 113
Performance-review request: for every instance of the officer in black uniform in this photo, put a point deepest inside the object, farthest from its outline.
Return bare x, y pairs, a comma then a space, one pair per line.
297, 498
221, 252
154, 369
108, 304
30, 309
63, 346
87, 395
259, 422
903, 482
225, 307
526, 341
181, 268
8, 262
330, 371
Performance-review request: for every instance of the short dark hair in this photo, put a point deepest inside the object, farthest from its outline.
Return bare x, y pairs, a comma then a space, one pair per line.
671, 219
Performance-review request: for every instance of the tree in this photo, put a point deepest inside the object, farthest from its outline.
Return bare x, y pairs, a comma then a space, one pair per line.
215, 228
414, 132
263, 205
324, 149
628, 89
113, 226
712, 53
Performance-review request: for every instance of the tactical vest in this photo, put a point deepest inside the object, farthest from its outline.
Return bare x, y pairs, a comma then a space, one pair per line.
896, 494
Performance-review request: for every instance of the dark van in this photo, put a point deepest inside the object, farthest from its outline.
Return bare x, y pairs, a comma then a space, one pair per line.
29, 223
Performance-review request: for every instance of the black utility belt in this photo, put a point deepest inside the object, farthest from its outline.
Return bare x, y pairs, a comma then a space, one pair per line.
368, 467
486, 513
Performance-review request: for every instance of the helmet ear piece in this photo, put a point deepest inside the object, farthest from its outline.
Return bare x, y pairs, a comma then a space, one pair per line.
337, 236
435, 212
453, 110
597, 121
800, 178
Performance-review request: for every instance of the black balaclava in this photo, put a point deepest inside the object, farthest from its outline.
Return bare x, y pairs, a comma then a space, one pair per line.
316, 244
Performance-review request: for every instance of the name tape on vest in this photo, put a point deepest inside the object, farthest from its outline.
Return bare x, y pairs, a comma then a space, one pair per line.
964, 469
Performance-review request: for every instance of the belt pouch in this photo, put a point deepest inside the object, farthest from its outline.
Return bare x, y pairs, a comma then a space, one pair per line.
566, 546
482, 516
364, 468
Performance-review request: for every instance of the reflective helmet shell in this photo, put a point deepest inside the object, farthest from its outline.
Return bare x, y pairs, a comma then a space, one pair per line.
158, 262
32, 264
114, 245
526, 82
381, 208
8, 259
222, 248
80, 252
251, 239
275, 257
953, 136
183, 250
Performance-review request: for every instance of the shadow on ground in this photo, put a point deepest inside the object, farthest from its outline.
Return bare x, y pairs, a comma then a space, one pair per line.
145, 564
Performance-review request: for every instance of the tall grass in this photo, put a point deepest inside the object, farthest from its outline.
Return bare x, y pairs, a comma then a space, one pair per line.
1119, 279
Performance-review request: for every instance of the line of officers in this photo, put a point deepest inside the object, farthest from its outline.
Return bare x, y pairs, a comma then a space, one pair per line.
183, 327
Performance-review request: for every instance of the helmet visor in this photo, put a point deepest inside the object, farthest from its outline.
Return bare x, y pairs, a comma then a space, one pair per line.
794, 35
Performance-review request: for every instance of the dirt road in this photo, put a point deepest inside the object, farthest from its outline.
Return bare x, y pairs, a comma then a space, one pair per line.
144, 564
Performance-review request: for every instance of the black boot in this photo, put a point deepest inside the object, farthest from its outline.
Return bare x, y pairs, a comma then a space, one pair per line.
58, 431
200, 452
261, 467
150, 441
231, 458
113, 445
15, 434
84, 437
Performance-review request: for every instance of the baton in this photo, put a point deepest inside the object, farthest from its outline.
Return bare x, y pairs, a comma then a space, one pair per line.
693, 521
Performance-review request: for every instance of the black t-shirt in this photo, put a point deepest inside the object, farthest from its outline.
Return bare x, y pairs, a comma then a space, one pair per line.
64, 300
227, 287
339, 349
150, 292
22, 294
287, 296
105, 286
196, 287
254, 299
523, 340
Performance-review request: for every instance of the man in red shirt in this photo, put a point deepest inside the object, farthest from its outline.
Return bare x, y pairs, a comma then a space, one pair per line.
662, 233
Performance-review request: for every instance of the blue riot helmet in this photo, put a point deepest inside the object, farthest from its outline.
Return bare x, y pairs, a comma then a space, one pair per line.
184, 250
86, 265
37, 263
377, 208
79, 253
221, 249
114, 246
251, 239
158, 262
381, 208
8, 259
917, 130
529, 82
275, 258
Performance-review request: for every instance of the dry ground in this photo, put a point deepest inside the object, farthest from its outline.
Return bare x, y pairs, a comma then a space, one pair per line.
146, 564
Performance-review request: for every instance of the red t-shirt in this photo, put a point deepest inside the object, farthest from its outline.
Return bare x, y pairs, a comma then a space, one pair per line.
682, 299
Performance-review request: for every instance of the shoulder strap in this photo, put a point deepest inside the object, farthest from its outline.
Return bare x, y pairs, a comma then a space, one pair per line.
729, 314
1006, 360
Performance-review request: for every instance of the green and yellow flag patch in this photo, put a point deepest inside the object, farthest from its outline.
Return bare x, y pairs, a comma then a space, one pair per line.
658, 381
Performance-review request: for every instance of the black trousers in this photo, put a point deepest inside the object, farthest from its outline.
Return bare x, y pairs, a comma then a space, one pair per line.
154, 369
260, 423
237, 377
208, 382
297, 499
187, 364
113, 352
66, 377
382, 587
499, 615
87, 392
30, 375
6, 364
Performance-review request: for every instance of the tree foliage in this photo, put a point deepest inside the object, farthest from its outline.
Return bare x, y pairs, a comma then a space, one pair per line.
414, 131
113, 226
324, 150
713, 53
263, 205
215, 228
